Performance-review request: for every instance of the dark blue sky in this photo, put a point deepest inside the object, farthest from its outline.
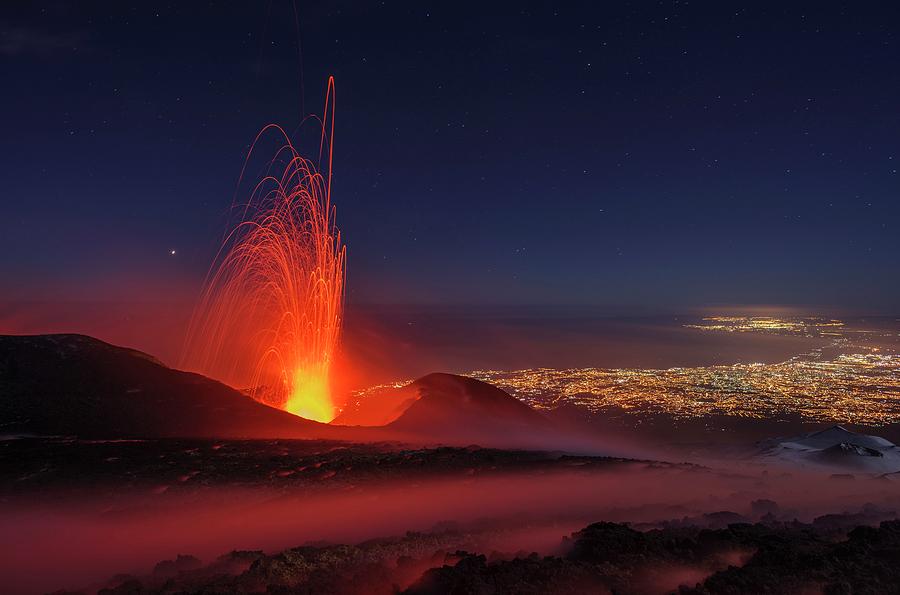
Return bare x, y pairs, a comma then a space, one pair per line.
648, 156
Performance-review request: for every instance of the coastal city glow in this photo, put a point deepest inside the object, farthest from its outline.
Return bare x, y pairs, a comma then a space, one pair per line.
858, 387
853, 378
809, 326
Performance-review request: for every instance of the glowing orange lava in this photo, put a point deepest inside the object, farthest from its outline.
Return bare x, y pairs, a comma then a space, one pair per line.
269, 317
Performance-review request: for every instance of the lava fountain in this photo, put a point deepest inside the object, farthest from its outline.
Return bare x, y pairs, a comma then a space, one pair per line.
270, 313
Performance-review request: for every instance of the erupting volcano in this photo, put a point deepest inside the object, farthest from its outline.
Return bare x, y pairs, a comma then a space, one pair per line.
269, 316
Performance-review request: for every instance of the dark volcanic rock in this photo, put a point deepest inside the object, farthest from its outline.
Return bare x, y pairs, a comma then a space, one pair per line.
168, 568
472, 575
607, 557
602, 558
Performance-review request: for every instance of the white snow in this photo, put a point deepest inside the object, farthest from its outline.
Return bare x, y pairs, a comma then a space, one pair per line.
835, 449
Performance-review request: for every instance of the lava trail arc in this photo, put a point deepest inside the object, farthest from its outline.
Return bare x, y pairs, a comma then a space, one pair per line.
270, 313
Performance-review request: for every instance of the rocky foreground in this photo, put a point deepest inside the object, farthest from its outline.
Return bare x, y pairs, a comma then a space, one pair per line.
769, 556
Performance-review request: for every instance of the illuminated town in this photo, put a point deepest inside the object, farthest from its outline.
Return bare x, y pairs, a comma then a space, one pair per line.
809, 326
853, 379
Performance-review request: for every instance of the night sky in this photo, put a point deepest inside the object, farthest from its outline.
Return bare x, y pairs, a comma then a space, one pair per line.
655, 157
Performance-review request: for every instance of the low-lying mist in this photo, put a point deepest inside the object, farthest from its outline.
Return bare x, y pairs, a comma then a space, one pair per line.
82, 542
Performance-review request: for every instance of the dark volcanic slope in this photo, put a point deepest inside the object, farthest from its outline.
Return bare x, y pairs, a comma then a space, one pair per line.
459, 409
37, 469
439, 396
447, 396
77, 385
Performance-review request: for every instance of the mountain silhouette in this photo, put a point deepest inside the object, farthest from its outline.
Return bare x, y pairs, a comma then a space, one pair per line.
836, 447
76, 385
457, 409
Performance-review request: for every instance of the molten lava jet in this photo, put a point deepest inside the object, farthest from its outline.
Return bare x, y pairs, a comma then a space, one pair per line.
269, 316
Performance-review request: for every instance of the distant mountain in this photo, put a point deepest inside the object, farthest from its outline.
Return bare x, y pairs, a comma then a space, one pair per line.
444, 395
835, 448
449, 397
456, 409
78, 385
836, 435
